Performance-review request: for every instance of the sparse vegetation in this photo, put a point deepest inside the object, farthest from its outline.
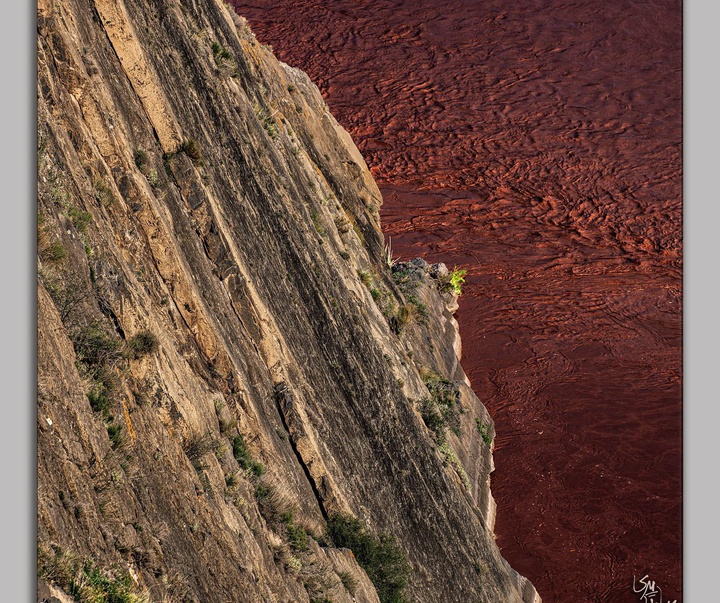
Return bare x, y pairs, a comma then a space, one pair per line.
267, 120
103, 193
115, 434
274, 499
296, 535
79, 218
402, 274
431, 417
390, 261
445, 397
348, 581
99, 398
224, 60
408, 314
365, 278
192, 149
197, 446
95, 346
454, 281
53, 252
98, 353
67, 293
357, 231
153, 178
380, 556
244, 458
421, 312
84, 581
141, 344
484, 431
342, 223
140, 158
452, 458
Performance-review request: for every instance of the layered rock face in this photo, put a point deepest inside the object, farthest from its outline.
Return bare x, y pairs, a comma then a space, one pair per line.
228, 360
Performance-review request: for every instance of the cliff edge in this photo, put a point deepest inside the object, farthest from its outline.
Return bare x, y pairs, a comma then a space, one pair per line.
241, 396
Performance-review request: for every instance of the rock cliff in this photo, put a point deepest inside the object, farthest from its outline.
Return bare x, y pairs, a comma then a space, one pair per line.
241, 395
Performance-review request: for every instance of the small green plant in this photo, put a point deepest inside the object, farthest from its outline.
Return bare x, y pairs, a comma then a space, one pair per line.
442, 409
318, 223
140, 158
454, 281
94, 346
79, 218
99, 398
267, 120
452, 458
379, 555
348, 581
244, 458
53, 253
484, 431
191, 148
197, 446
390, 261
103, 193
84, 581
141, 344
231, 480
291, 88
358, 232
115, 434
365, 278
224, 60
445, 395
220, 53
431, 417
296, 535
153, 178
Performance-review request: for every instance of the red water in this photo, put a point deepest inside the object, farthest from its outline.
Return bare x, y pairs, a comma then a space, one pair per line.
538, 145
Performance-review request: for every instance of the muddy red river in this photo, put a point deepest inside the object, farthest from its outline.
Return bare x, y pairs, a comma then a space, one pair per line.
537, 144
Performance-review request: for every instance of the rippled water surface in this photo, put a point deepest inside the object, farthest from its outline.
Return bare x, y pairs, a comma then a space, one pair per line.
537, 144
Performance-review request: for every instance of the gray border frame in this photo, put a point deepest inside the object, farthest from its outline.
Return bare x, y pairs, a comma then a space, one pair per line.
17, 250
701, 134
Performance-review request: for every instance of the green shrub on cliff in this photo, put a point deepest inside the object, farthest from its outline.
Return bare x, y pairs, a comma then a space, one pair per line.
84, 581
95, 346
380, 556
192, 149
454, 281
444, 400
244, 458
141, 344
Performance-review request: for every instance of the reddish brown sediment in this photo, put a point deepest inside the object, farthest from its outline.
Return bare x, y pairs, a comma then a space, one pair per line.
538, 145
